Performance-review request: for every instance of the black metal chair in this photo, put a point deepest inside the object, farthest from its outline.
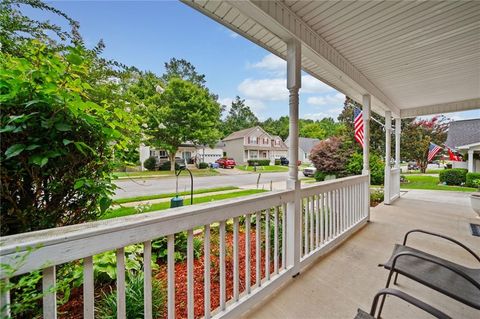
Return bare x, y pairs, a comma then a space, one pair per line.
456, 281
399, 294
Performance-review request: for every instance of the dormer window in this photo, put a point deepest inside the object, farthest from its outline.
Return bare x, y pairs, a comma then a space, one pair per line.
277, 142
253, 140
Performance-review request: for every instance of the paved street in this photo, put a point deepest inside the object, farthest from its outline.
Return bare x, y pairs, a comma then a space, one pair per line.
139, 187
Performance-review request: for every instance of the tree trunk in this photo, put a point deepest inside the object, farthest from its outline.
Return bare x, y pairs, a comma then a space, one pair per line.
171, 155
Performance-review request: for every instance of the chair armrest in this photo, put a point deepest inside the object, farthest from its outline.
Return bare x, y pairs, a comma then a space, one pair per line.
455, 270
440, 236
410, 299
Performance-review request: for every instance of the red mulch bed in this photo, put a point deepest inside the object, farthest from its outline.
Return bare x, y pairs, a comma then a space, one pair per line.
74, 308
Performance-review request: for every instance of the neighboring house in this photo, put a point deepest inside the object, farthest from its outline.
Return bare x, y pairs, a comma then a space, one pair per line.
464, 137
305, 145
189, 152
254, 143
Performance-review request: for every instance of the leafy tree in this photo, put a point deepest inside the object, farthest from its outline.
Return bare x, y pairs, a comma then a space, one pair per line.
354, 166
330, 156
311, 129
277, 127
239, 117
417, 135
183, 112
64, 113
181, 68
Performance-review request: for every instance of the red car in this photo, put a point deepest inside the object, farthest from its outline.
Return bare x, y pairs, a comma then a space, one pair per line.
226, 162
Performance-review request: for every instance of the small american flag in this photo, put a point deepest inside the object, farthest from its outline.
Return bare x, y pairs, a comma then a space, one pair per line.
433, 149
358, 125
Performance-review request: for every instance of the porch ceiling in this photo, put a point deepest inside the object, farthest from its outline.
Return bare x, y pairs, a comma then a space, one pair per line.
414, 58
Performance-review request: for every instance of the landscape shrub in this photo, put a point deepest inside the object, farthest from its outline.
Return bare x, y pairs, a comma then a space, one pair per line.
165, 166
471, 178
454, 176
319, 176
330, 156
150, 163
278, 161
259, 162
202, 165
354, 166
134, 299
376, 197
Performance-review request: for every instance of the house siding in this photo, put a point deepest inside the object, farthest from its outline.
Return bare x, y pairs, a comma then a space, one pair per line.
235, 150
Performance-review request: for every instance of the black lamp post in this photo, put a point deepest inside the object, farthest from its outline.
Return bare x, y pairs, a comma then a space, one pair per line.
177, 173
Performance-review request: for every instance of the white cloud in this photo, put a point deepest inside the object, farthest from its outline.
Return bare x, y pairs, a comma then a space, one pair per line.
312, 85
234, 34
272, 63
328, 100
264, 89
254, 104
227, 101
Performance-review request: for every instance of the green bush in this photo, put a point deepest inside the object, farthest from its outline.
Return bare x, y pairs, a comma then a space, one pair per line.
376, 197
259, 162
278, 161
150, 163
454, 176
377, 169
165, 166
319, 176
202, 165
134, 299
471, 178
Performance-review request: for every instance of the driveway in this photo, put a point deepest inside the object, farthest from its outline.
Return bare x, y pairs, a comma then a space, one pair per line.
151, 186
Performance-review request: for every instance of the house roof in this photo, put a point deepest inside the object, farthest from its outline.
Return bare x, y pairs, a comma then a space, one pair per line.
463, 133
243, 133
305, 143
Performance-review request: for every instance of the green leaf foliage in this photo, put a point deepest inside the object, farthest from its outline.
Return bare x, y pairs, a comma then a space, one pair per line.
61, 121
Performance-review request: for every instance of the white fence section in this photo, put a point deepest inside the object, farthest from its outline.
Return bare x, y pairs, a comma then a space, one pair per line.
394, 189
254, 225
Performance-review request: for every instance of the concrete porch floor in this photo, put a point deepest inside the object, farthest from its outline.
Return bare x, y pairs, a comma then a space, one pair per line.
348, 278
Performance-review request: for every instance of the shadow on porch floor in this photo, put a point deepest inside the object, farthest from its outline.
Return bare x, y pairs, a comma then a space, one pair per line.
348, 278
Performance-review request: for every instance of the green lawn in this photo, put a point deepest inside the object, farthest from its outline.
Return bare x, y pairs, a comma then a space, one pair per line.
151, 174
429, 171
261, 169
431, 182
125, 211
167, 195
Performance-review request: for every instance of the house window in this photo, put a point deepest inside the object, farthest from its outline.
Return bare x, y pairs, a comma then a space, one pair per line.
253, 140
152, 153
253, 154
277, 142
162, 153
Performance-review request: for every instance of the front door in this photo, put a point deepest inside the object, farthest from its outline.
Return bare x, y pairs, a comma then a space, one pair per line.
187, 156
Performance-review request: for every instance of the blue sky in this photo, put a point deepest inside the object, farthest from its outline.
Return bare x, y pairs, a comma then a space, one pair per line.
147, 34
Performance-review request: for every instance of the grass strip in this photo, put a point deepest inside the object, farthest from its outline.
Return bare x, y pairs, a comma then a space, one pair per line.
167, 195
125, 211
431, 183
261, 169
195, 172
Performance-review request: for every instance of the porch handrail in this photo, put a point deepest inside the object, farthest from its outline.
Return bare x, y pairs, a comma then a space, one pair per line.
53, 246
333, 210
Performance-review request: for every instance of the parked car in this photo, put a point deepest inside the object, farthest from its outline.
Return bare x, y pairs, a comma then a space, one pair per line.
226, 162
412, 166
284, 161
309, 171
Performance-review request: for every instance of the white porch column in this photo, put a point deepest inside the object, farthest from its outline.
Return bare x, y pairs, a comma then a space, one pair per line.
366, 99
293, 208
470, 160
388, 146
398, 131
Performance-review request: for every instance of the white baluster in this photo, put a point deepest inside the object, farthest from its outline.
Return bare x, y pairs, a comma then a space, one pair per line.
190, 282
121, 302
171, 276
206, 275
49, 294
88, 289
222, 266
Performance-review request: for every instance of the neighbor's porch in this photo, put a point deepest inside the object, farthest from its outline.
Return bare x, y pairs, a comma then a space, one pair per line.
348, 278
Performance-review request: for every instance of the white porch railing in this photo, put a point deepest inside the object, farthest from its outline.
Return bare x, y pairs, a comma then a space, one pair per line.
331, 212
393, 191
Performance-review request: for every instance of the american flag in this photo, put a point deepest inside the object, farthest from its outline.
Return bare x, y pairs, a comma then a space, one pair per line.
358, 124
433, 149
